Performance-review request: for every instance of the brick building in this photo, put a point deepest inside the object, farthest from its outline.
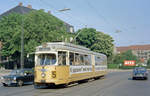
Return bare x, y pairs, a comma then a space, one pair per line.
141, 51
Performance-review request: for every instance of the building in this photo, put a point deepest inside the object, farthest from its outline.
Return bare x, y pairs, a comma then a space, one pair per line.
141, 51
23, 10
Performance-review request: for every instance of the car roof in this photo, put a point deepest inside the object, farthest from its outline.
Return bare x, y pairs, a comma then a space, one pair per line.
139, 68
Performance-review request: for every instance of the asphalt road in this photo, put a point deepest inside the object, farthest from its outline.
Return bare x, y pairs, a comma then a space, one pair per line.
114, 84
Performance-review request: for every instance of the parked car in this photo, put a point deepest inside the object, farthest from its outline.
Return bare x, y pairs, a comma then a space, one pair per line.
18, 77
140, 73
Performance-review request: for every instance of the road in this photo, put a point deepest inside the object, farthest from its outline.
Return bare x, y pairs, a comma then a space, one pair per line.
114, 84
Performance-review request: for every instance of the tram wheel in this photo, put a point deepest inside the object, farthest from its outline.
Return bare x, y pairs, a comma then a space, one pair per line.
82, 81
96, 78
36, 86
65, 85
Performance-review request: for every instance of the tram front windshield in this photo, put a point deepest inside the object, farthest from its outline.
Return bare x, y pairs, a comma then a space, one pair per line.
46, 59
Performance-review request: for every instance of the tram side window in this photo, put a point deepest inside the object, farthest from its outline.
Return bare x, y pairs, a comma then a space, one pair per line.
87, 59
104, 60
77, 59
90, 61
82, 59
61, 58
98, 60
71, 58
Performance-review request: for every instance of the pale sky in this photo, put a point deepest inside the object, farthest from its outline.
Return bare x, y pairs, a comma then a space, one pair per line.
130, 17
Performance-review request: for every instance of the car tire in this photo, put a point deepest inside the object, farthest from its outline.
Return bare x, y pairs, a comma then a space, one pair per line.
133, 78
20, 83
5, 85
145, 78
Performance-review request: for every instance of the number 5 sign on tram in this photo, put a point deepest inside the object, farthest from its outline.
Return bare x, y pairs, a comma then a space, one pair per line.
129, 63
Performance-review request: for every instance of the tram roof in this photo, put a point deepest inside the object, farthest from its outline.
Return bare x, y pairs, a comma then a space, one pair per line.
69, 46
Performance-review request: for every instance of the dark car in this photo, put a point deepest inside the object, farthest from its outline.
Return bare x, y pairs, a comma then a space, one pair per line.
18, 77
140, 73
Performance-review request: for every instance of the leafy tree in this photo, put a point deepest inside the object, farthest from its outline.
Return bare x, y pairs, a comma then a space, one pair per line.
148, 62
96, 41
38, 27
86, 37
128, 55
103, 44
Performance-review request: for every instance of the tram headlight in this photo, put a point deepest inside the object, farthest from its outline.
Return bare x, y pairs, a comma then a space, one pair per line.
2, 77
43, 75
14, 78
53, 74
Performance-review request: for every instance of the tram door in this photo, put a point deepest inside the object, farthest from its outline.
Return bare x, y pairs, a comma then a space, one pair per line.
62, 57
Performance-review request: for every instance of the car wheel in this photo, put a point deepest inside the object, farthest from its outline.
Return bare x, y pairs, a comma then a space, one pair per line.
20, 83
5, 85
133, 78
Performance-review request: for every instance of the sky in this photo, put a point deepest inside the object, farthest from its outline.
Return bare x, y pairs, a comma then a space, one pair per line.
127, 21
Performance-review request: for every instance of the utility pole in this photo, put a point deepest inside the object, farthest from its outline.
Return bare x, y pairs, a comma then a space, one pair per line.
0, 51
22, 43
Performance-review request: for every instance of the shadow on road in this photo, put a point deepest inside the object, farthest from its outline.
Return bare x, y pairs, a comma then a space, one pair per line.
70, 85
137, 79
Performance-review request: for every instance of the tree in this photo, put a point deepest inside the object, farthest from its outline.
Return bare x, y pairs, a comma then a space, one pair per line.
95, 40
86, 37
103, 44
148, 62
39, 27
128, 55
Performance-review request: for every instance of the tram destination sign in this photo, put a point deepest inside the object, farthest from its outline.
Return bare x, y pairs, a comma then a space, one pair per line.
101, 68
80, 69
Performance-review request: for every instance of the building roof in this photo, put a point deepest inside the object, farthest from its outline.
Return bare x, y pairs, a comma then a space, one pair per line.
122, 49
133, 47
18, 9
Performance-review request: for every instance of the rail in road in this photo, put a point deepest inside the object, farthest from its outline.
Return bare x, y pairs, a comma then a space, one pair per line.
114, 84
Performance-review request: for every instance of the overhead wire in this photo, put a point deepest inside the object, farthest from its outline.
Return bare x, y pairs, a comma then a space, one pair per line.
56, 10
102, 16
76, 18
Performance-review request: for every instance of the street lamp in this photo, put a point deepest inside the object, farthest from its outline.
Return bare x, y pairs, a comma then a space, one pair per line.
65, 9
62, 10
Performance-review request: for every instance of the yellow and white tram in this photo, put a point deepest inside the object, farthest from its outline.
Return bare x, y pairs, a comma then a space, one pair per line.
63, 63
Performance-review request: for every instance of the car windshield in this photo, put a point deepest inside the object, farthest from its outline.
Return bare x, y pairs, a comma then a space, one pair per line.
16, 72
46, 59
140, 70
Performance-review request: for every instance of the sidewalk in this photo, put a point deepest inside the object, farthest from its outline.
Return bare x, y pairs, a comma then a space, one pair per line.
4, 72
118, 70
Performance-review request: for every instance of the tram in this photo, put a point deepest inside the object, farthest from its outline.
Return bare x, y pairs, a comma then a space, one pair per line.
60, 63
